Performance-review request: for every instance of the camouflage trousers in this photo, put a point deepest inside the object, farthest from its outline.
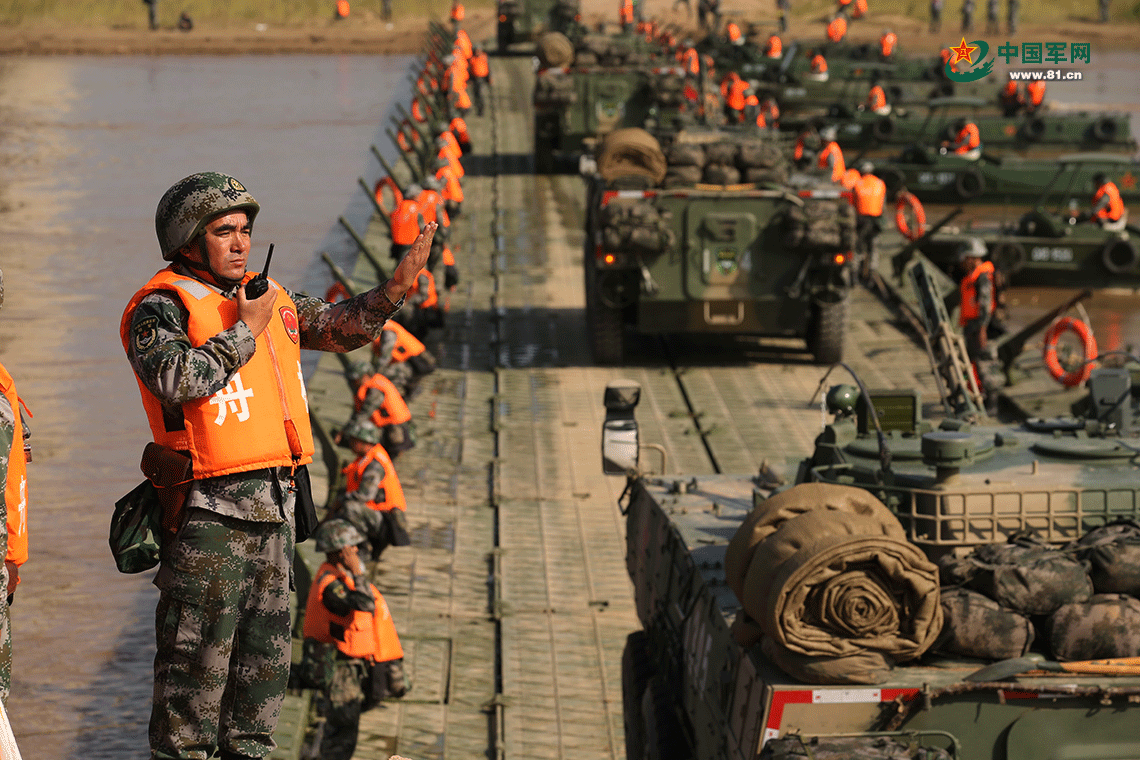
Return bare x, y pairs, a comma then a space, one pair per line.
222, 631
5, 641
346, 698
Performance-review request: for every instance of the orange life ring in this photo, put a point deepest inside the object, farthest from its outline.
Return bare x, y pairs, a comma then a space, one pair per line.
336, 292
1079, 375
383, 182
906, 200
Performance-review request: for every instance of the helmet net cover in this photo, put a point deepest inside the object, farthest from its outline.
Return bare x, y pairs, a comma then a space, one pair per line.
192, 202
335, 534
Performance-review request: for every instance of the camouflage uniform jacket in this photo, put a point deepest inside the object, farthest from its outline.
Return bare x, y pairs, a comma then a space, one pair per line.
176, 372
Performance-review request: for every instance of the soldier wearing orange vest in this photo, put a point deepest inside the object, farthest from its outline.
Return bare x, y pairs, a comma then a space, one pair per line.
1010, 99
377, 401
625, 14
887, 44
818, 70
1107, 206
425, 313
978, 300
733, 89
860, 9
877, 100
219, 371
733, 33
690, 59
868, 194
452, 191
402, 358
407, 220
14, 456
1034, 96
458, 128
837, 29
479, 67
831, 156
350, 639
774, 47
457, 15
967, 142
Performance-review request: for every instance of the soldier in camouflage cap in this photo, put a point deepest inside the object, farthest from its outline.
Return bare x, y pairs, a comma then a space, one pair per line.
374, 498
216, 365
346, 611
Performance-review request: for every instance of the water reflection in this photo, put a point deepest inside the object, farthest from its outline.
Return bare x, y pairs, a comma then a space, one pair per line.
87, 147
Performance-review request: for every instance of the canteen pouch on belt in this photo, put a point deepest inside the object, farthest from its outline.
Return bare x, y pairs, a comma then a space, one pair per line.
171, 473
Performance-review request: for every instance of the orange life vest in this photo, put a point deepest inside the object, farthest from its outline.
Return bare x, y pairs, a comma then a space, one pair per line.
887, 44
417, 111
16, 487
968, 289
770, 111
625, 12
480, 65
798, 153
818, 64
775, 47
1115, 203
458, 12
732, 30
876, 98
691, 61
393, 491
407, 345
425, 276
849, 180
837, 29
452, 189
734, 95
458, 127
967, 139
870, 192
463, 42
1036, 92
260, 418
406, 222
430, 204
393, 411
832, 151
342, 8
364, 635
860, 9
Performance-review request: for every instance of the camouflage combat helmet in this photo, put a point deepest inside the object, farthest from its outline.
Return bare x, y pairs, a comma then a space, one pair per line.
335, 534
192, 202
362, 429
972, 248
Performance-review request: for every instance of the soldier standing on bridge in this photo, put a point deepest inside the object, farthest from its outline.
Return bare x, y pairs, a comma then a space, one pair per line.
993, 26
977, 309
219, 371
1012, 12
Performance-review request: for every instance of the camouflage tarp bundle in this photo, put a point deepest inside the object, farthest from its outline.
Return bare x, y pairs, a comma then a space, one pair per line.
1105, 626
554, 50
720, 164
977, 626
631, 152
761, 161
636, 225
821, 223
827, 573
849, 748
1113, 552
553, 87
668, 90
1025, 575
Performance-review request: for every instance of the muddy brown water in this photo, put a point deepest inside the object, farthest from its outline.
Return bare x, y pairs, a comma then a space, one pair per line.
87, 147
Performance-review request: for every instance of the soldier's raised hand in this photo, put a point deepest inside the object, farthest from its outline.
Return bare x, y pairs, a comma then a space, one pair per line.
409, 267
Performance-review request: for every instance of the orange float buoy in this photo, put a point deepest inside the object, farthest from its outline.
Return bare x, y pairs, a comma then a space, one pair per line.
1073, 378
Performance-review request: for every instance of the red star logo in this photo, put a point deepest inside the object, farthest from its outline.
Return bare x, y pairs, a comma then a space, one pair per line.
964, 52
1128, 181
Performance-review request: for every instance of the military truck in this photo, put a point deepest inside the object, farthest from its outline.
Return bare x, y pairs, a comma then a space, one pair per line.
696, 686
711, 236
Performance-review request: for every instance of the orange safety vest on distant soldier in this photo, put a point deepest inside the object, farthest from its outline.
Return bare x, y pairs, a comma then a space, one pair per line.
732, 31
458, 12
432, 296
876, 98
837, 29
870, 192
363, 635
452, 187
480, 65
691, 61
818, 64
406, 222
775, 47
625, 12
16, 486
967, 139
1036, 92
968, 289
393, 411
1115, 207
393, 491
887, 44
342, 8
860, 9
832, 151
260, 418
407, 345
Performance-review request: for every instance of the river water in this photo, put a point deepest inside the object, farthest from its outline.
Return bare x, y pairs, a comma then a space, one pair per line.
87, 147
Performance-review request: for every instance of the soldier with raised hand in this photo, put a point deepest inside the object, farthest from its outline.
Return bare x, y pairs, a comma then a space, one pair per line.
218, 367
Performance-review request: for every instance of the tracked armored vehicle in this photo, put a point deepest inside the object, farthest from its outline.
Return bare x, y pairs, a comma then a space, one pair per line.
696, 686
714, 241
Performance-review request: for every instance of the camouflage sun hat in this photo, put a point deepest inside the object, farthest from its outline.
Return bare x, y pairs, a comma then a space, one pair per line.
362, 429
972, 248
192, 202
336, 534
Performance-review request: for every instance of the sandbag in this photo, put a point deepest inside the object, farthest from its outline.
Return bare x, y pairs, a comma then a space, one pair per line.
554, 88
1113, 554
794, 747
631, 152
685, 154
976, 626
586, 58
821, 224
769, 514
1030, 577
858, 668
758, 176
760, 155
721, 174
554, 50
682, 176
1106, 625
635, 225
841, 593
721, 153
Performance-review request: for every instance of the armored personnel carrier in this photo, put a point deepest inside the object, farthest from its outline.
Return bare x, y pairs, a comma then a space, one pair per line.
711, 236
711, 674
